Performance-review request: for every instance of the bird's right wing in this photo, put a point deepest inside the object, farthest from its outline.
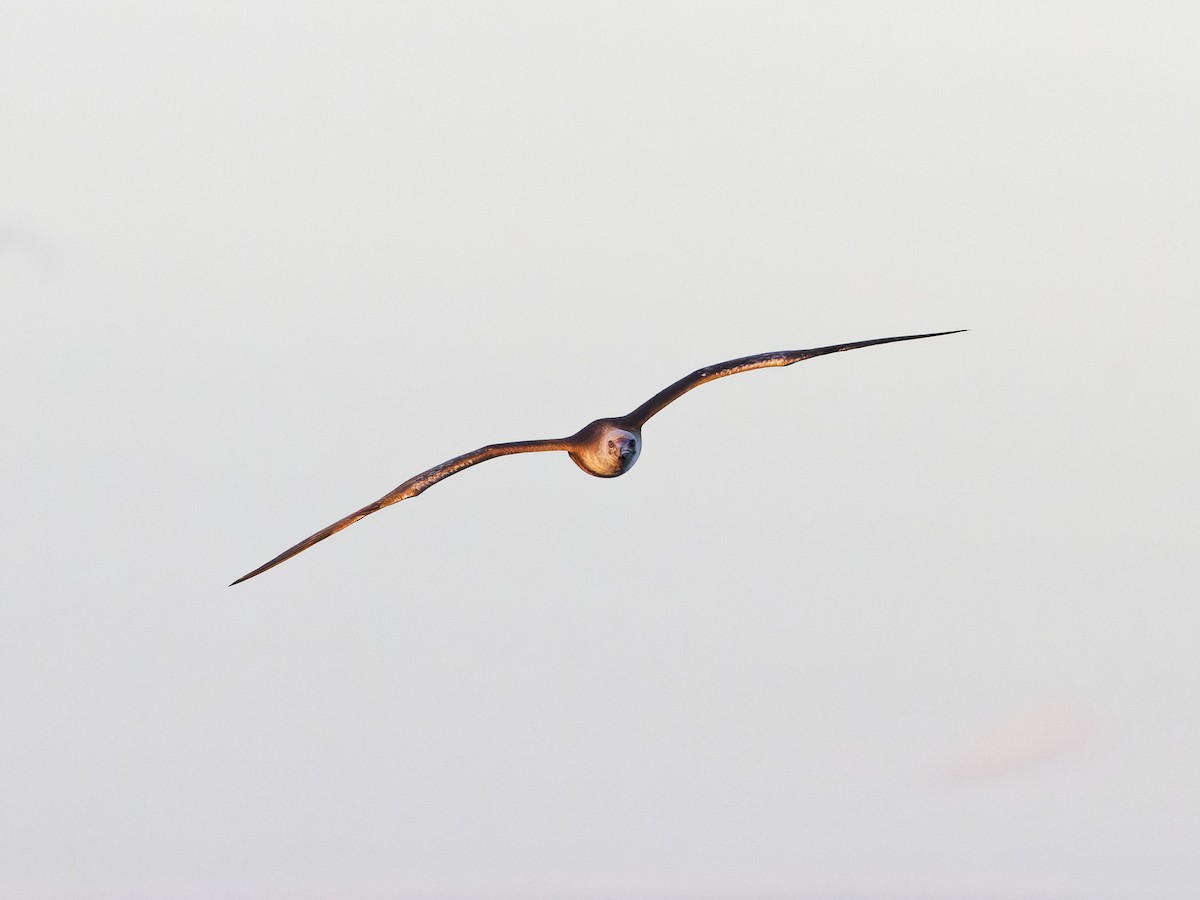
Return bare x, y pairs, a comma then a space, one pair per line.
672, 393
411, 488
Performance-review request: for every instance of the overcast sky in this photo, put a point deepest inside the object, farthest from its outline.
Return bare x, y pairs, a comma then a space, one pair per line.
916, 621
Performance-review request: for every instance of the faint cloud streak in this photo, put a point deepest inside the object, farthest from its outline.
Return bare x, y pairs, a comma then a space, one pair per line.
1029, 740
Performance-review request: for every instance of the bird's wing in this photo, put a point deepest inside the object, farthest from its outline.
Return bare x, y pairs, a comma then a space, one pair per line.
411, 488
761, 361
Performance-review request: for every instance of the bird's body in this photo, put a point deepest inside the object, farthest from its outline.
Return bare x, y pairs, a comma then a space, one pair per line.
605, 448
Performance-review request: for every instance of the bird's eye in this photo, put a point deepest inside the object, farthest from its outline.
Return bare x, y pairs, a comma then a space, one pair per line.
611, 445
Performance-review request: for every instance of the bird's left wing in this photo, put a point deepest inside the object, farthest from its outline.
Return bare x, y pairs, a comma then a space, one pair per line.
672, 393
411, 488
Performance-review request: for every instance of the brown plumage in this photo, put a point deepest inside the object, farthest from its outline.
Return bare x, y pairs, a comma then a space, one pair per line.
605, 448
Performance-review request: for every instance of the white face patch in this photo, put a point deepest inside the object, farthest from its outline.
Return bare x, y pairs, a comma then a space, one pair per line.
612, 452
622, 447
627, 445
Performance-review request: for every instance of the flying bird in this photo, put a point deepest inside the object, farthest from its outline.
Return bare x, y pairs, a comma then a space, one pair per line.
605, 448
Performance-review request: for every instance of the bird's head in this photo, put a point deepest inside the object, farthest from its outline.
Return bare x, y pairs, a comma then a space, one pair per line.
605, 449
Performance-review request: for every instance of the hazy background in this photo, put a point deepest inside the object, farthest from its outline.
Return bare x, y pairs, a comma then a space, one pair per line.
918, 621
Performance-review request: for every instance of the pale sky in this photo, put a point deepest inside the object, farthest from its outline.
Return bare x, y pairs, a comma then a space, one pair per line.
916, 621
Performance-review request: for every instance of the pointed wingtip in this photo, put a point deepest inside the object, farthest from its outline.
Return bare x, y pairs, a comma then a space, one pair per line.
940, 333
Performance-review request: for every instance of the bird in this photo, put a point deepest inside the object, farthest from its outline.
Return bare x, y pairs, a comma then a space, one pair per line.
605, 448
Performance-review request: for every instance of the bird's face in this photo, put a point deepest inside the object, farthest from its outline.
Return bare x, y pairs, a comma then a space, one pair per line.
622, 448
607, 450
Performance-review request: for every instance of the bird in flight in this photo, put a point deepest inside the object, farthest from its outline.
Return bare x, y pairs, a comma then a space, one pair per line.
605, 448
